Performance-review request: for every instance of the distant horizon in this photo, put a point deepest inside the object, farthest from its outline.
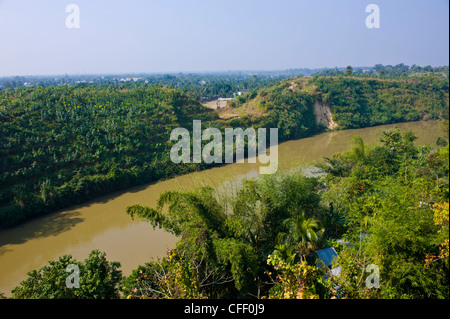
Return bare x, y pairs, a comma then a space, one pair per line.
77, 37
211, 72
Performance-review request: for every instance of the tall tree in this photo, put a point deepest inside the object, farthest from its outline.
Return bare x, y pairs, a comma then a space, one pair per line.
349, 70
301, 233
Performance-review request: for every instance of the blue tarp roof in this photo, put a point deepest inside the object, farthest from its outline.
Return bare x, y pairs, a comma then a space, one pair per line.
327, 255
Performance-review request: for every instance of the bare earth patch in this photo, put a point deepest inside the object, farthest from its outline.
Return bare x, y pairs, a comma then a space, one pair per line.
323, 115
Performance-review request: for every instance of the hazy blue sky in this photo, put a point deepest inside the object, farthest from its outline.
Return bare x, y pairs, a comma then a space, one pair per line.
217, 35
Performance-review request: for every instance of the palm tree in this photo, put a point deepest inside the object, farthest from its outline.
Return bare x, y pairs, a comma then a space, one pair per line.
335, 166
286, 253
301, 233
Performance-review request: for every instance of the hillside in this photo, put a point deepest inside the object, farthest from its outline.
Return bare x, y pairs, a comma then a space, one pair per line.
63, 145
352, 102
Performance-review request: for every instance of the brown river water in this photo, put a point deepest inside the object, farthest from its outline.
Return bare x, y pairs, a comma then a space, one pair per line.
103, 223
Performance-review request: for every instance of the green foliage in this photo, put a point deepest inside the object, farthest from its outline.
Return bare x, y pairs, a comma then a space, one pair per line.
351, 279
382, 206
290, 110
200, 220
360, 102
262, 207
234, 239
172, 278
404, 70
241, 259
387, 203
349, 70
297, 281
99, 279
301, 234
63, 145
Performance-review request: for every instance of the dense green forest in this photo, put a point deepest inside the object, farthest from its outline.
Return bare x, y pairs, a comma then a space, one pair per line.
63, 145
385, 205
359, 103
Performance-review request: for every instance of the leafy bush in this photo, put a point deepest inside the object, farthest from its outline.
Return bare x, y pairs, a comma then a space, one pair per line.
98, 279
